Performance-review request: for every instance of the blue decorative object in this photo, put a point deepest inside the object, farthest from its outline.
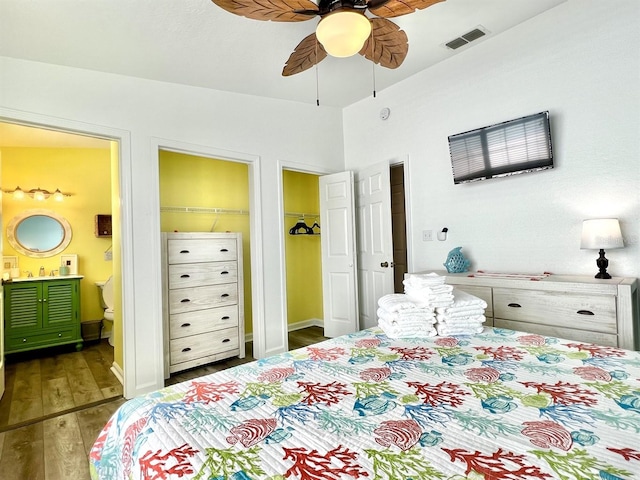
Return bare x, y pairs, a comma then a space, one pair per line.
456, 262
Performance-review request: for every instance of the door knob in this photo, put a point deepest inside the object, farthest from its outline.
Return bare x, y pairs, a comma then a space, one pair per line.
384, 264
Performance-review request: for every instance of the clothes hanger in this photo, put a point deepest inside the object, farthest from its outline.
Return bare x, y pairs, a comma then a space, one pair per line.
301, 225
315, 225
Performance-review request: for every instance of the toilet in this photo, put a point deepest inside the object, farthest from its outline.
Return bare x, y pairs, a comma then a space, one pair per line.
106, 300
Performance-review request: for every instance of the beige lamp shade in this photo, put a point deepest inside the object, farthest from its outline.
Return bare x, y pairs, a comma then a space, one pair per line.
343, 33
601, 233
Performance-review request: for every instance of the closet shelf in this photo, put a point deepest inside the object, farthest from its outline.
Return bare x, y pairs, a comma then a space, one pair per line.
209, 210
301, 214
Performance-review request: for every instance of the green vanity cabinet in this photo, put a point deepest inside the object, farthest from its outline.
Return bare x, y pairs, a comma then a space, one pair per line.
41, 313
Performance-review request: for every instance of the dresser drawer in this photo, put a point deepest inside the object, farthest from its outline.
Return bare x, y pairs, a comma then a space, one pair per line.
568, 333
198, 274
205, 344
200, 298
583, 312
201, 321
29, 341
190, 250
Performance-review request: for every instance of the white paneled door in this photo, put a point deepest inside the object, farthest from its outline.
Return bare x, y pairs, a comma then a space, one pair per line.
339, 283
375, 240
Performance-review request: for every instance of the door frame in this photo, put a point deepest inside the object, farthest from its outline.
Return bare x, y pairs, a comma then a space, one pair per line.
282, 343
255, 222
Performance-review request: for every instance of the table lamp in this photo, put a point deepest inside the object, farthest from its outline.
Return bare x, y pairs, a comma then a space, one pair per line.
601, 233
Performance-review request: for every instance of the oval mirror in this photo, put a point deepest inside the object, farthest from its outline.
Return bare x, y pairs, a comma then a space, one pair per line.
39, 233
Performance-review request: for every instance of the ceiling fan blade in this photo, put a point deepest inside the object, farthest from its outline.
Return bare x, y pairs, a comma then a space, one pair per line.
387, 45
275, 10
308, 52
395, 8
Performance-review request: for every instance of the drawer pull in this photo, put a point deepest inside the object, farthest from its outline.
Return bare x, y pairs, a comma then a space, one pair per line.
585, 312
185, 325
224, 249
24, 340
226, 317
185, 300
185, 276
514, 305
224, 295
226, 340
224, 273
59, 335
185, 350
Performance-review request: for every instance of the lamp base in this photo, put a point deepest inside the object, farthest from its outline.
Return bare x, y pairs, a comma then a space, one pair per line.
602, 264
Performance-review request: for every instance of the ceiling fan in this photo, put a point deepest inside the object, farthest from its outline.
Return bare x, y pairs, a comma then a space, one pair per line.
343, 30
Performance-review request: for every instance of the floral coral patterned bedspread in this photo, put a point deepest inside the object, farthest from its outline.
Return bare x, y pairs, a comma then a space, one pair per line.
499, 405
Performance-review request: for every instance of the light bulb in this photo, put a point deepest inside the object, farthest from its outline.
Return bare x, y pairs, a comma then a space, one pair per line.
38, 195
58, 195
18, 194
343, 33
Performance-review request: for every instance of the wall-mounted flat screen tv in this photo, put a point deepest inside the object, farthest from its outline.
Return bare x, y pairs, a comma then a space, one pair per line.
507, 148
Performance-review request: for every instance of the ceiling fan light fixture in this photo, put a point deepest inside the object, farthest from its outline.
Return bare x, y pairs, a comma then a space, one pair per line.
342, 33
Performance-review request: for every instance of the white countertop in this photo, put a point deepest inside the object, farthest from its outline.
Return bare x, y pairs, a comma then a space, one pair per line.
48, 277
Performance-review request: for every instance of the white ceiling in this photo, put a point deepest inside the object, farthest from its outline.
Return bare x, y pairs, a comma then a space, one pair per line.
195, 42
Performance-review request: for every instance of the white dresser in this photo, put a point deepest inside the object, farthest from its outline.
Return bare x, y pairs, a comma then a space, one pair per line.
574, 307
203, 313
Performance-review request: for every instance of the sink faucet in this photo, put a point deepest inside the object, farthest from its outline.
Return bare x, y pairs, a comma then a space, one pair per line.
53, 273
29, 274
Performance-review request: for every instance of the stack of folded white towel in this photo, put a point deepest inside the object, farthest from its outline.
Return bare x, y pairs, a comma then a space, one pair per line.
399, 316
429, 289
464, 317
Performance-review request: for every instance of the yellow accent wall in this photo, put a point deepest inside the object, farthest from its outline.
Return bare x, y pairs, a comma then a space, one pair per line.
192, 181
86, 173
303, 253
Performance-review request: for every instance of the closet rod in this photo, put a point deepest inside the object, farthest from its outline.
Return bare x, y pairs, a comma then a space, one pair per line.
301, 215
226, 211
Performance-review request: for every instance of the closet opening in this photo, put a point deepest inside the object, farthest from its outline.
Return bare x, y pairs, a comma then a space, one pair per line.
206, 261
303, 257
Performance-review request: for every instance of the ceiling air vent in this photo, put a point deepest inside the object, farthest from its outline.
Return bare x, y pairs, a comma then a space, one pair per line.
468, 37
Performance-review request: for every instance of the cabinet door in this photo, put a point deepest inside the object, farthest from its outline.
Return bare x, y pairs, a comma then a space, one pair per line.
23, 308
60, 300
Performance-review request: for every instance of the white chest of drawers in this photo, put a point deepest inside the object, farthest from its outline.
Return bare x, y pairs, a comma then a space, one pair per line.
574, 307
203, 313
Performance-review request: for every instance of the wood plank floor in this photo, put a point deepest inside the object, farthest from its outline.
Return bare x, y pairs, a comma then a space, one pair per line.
49, 382
57, 448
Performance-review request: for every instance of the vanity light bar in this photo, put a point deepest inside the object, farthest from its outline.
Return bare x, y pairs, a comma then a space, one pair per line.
38, 194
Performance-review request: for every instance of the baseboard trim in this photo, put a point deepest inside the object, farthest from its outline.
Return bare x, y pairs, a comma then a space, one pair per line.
117, 371
312, 322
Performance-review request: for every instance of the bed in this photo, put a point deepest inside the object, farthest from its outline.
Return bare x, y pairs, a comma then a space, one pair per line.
498, 405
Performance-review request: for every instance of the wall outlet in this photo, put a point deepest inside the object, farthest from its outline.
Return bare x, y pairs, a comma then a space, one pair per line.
108, 256
427, 235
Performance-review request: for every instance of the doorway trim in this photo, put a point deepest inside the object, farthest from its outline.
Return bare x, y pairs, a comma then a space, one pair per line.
302, 168
255, 223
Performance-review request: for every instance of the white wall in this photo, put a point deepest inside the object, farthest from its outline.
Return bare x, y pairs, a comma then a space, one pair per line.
580, 61
147, 114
